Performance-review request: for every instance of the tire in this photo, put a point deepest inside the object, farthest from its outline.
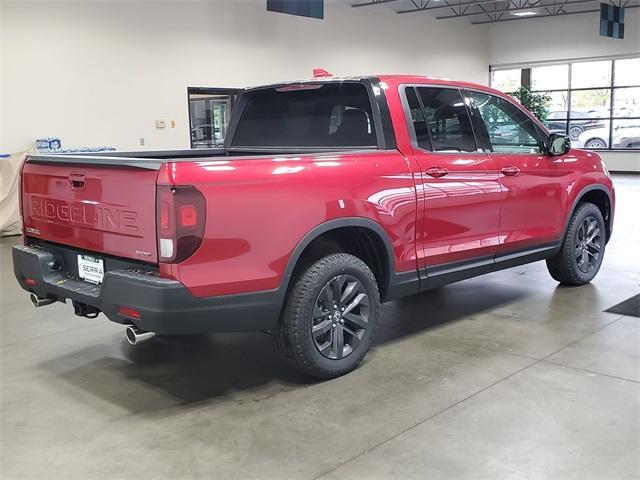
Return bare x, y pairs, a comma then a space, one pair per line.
575, 131
582, 250
319, 353
595, 143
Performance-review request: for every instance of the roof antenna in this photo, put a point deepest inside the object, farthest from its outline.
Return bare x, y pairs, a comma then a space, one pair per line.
320, 72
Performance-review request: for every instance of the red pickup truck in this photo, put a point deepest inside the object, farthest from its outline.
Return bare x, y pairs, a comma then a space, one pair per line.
329, 197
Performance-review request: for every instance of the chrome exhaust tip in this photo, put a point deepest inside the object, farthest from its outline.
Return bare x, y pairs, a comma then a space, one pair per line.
39, 301
135, 336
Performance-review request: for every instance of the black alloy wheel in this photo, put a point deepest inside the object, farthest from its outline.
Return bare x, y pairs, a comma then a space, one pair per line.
579, 258
588, 244
340, 317
330, 315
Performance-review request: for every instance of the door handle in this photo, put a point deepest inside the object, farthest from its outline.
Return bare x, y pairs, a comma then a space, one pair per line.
437, 172
510, 171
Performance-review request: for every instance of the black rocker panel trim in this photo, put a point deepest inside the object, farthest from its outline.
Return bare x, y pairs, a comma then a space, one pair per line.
440, 275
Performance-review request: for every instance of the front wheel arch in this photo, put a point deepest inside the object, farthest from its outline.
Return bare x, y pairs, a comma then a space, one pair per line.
601, 198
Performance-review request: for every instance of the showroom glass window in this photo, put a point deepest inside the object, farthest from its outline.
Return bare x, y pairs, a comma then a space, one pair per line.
596, 103
448, 120
312, 115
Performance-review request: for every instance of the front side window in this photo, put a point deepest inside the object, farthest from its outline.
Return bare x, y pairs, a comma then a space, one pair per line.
447, 119
509, 129
307, 115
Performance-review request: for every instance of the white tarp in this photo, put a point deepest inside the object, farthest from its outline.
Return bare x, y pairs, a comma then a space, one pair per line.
9, 189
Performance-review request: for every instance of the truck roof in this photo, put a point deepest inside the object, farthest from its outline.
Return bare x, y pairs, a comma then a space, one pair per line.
403, 79
389, 79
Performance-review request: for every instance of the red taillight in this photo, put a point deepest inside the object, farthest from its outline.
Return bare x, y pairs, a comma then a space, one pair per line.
30, 281
188, 216
181, 222
164, 216
129, 312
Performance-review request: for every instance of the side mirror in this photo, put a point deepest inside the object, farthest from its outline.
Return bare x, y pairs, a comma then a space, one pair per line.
558, 144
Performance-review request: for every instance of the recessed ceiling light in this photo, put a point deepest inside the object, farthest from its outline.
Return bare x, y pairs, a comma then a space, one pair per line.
523, 14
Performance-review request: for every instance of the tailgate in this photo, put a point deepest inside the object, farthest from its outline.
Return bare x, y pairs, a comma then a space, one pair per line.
109, 209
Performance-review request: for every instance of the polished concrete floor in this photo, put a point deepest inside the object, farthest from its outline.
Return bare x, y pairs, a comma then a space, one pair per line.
502, 376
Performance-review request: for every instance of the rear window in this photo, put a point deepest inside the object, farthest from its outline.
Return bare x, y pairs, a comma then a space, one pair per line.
314, 115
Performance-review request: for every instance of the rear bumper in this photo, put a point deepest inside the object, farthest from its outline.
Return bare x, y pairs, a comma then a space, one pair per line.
165, 306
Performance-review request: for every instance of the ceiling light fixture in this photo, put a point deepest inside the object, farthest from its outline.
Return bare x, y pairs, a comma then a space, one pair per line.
524, 14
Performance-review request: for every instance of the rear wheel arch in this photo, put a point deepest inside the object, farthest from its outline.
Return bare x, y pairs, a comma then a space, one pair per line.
361, 237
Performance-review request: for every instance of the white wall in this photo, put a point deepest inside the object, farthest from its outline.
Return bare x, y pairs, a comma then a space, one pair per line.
622, 161
99, 73
562, 38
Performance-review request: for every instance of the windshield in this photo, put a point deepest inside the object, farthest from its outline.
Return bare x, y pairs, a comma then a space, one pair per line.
308, 115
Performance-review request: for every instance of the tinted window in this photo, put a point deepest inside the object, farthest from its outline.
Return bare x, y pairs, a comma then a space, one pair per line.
510, 130
418, 121
319, 115
448, 120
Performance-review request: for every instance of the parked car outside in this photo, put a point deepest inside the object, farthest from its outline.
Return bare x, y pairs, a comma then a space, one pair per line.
625, 135
580, 121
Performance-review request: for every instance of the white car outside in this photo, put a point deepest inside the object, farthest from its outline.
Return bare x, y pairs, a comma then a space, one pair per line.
599, 137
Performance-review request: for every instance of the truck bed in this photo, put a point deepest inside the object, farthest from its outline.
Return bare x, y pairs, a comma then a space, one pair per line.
152, 160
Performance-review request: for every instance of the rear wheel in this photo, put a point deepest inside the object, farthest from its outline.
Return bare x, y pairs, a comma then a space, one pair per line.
596, 143
330, 316
582, 249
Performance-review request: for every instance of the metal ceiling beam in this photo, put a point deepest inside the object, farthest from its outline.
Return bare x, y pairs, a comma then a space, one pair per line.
373, 2
444, 4
518, 9
497, 14
533, 17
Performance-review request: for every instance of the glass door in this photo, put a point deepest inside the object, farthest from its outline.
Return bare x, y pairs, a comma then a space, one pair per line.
209, 113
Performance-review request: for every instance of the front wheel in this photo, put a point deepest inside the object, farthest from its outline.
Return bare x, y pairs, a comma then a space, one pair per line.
580, 256
574, 132
330, 316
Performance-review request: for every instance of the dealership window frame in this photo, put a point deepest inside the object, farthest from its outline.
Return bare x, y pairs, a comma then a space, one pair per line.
612, 88
232, 93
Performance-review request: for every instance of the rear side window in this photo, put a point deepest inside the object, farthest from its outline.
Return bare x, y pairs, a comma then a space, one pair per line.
309, 115
416, 115
448, 120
